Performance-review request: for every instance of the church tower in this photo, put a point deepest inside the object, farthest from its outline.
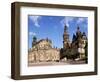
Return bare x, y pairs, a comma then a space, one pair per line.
65, 38
34, 40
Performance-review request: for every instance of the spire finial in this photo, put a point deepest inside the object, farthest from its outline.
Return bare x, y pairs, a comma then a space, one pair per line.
78, 27
65, 27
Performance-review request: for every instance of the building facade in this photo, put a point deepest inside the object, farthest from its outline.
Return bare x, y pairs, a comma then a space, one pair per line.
42, 50
77, 45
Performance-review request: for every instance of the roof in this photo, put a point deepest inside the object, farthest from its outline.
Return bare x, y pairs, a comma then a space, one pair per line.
48, 40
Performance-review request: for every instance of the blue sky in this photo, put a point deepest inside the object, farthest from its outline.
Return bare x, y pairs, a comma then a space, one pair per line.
52, 27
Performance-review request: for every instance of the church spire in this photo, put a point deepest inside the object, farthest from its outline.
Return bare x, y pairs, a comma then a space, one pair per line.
65, 28
78, 32
65, 37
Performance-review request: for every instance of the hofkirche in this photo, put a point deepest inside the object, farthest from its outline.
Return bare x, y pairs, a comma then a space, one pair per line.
42, 50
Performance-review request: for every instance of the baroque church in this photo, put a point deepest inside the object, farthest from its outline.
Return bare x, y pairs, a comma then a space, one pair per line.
75, 49
42, 50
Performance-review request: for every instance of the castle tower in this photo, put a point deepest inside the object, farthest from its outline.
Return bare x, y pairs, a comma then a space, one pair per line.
81, 40
65, 38
78, 32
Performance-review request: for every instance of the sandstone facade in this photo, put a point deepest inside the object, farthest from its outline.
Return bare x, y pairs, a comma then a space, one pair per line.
42, 51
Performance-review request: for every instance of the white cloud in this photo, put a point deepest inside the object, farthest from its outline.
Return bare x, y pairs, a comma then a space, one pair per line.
32, 33
81, 20
35, 20
67, 20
